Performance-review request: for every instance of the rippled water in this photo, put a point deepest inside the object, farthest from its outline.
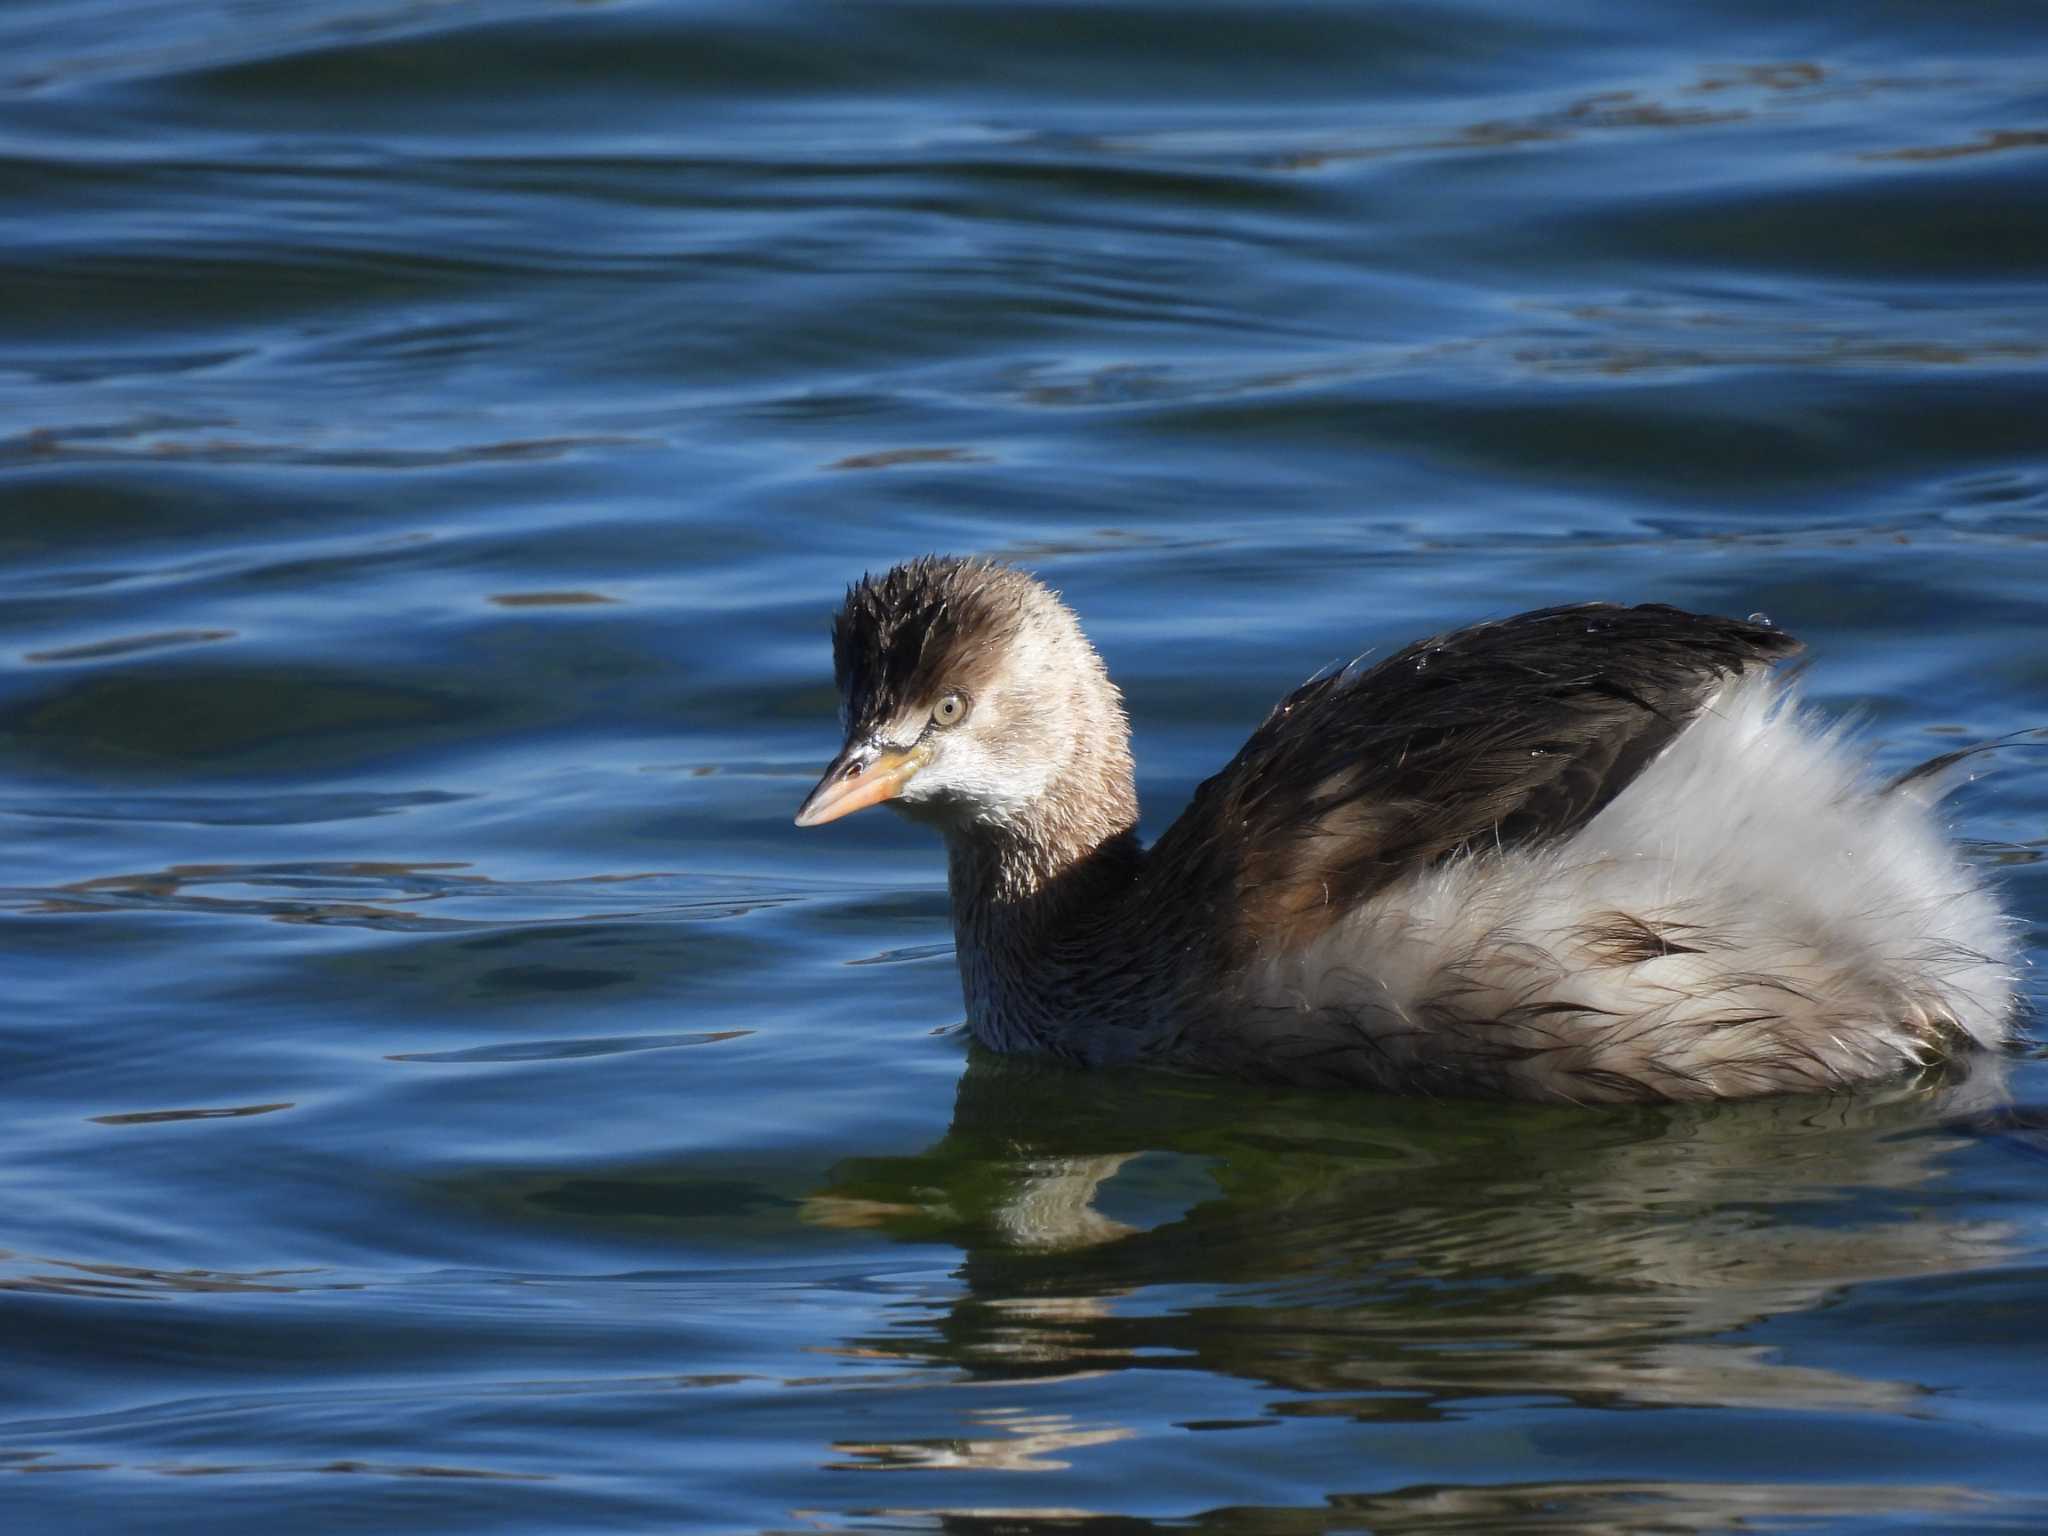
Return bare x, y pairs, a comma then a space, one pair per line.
443, 1092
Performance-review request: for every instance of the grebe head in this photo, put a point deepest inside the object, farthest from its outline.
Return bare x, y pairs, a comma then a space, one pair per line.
972, 700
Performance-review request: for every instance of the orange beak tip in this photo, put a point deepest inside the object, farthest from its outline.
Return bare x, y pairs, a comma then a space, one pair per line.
837, 796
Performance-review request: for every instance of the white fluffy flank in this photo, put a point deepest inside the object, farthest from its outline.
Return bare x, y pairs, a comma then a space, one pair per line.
1751, 915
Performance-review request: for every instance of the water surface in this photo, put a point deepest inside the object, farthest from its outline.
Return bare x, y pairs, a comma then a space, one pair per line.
443, 1092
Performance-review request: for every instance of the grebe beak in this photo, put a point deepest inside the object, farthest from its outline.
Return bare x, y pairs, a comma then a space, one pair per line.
861, 776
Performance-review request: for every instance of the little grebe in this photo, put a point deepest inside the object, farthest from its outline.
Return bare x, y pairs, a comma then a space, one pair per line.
1590, 853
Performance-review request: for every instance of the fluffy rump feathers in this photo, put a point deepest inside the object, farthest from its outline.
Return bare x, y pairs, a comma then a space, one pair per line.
1748, 916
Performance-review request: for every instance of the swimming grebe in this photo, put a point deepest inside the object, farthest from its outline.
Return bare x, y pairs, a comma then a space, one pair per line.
1589, 853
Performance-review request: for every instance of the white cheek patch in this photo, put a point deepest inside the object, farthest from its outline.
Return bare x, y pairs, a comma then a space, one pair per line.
967, 782
990, 790
970, 780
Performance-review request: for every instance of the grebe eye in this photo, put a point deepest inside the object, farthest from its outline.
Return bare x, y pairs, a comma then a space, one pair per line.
950, 710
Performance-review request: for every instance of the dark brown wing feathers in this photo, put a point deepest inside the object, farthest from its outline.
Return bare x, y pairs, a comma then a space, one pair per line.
1504, 733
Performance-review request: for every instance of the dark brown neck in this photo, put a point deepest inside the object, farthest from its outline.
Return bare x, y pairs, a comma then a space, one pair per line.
1038, 912
996, 878
1049, 853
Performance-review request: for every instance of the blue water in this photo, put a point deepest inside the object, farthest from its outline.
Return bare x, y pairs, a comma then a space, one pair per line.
440, 1090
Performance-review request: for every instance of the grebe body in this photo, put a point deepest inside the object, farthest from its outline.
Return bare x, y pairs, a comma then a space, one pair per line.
1591, 853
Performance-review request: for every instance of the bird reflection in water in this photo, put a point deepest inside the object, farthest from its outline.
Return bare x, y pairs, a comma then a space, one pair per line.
1382, 1258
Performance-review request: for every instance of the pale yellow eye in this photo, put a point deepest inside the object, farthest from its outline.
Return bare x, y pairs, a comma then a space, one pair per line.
950, 710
